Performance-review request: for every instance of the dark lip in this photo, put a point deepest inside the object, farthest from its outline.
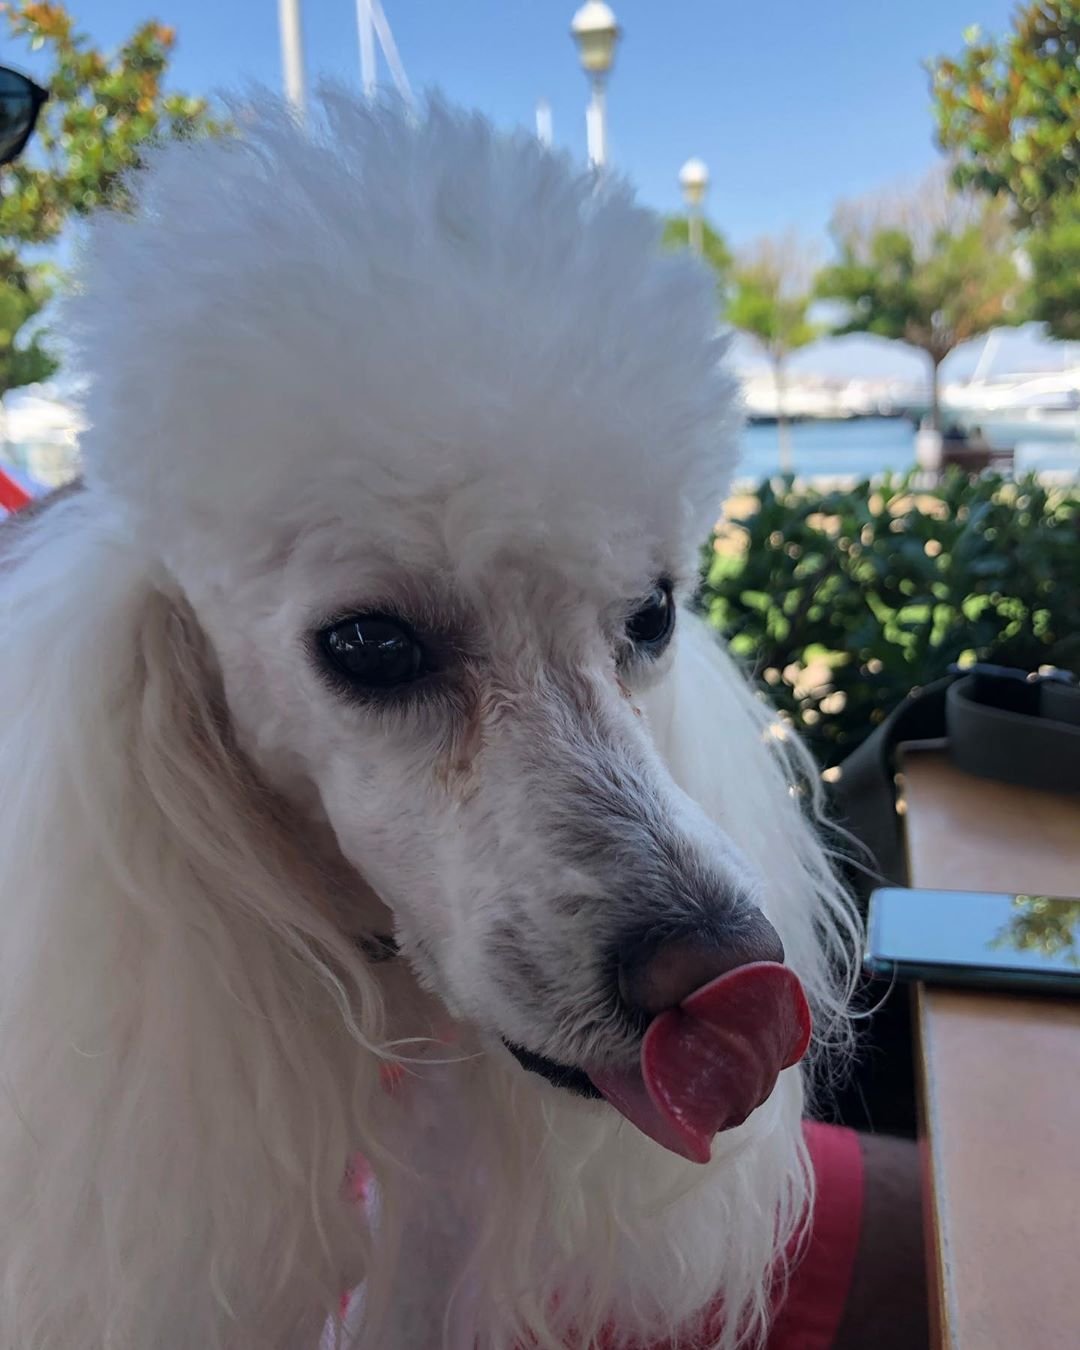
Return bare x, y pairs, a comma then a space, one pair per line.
560, 1075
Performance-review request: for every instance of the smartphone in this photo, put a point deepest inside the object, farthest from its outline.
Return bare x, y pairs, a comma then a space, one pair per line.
976, 938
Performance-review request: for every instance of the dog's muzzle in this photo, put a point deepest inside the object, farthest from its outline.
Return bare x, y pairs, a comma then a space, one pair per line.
721, 1016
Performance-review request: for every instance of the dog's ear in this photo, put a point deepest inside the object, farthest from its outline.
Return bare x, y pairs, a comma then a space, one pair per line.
186, 1037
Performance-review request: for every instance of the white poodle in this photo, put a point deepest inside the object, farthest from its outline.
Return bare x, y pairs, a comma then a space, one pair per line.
361, 793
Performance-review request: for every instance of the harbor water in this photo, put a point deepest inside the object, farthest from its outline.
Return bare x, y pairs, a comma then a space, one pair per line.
863, 447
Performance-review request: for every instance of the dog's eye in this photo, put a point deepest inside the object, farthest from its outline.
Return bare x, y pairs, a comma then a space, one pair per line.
649, 627
373, 652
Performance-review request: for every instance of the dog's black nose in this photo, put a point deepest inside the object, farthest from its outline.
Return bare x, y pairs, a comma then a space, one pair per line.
662, 967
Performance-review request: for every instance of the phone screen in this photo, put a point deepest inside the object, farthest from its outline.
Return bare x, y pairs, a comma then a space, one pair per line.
1024, 939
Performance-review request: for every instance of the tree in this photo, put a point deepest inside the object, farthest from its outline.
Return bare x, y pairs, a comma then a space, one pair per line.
24, 292
932, 270
714, 249
1054, 251
104, 111
1009, 109
770, 300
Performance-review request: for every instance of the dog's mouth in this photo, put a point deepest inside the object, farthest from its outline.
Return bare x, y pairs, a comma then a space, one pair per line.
705, 1065
561, 1075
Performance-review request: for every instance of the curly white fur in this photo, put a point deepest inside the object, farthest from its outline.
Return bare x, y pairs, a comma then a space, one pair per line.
404, 366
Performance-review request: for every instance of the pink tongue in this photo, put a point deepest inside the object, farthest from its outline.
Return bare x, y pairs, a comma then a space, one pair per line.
708, 1063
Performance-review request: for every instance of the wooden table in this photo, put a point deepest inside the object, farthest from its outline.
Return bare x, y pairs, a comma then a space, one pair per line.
1000, 1079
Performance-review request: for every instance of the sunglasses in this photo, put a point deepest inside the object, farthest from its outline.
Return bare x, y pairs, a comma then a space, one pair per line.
20, 103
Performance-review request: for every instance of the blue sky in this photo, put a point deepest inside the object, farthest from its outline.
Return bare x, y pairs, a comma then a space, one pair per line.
791, 104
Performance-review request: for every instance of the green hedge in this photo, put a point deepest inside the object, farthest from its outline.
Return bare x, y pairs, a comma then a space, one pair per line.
842, 601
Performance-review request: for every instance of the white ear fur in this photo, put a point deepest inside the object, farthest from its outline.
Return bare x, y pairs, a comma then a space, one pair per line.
185, 1035
727, 749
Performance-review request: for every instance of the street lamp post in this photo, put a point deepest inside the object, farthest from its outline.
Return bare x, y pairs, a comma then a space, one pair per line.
292, 52
595, 31
694, 181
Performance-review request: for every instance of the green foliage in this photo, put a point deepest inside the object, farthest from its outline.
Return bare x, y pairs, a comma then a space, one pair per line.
759, 307
763, 294
771, 295
1054, 251
956, 282
845, 600
769, 301
963, 285
714, 249
1009, 108
24, 292
104, 111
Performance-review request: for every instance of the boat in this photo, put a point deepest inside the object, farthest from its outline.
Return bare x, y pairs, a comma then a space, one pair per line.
1041, 406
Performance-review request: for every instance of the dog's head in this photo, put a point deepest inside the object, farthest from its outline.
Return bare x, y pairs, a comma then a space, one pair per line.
428, 431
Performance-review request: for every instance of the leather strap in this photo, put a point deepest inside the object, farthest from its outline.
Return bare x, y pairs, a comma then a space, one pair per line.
995, 722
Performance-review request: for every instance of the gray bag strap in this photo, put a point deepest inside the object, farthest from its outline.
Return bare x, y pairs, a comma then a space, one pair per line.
997, 722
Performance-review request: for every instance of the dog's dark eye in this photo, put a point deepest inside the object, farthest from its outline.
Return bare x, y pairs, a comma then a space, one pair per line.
373, 652
649, 627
